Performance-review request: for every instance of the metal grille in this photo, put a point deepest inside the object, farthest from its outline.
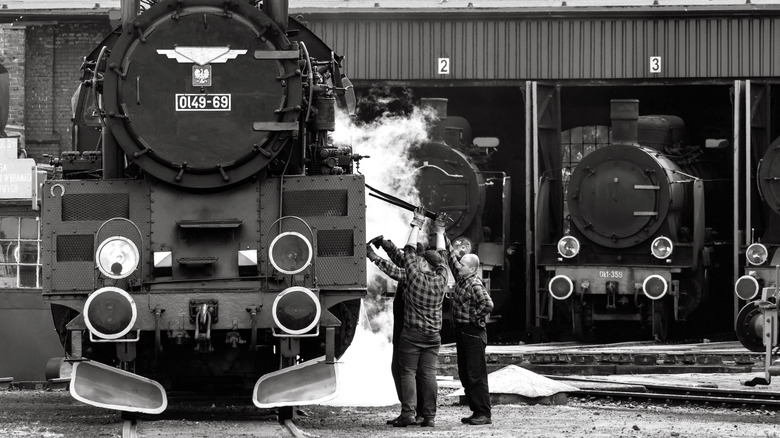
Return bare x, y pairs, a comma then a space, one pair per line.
335, 243
95, 206
315, 203
75, 248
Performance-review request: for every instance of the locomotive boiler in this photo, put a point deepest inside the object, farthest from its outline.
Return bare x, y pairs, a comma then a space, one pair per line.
453, 175
212, 236
639, 249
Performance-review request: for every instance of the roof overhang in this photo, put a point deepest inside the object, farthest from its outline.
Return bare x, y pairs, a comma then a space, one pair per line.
558, 12
38, 17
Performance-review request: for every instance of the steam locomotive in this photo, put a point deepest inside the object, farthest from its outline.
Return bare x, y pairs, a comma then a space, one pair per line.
639, 250
453, 175
211, 236
756, 325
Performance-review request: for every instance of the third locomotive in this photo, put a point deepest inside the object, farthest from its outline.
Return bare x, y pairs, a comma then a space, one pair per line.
640, 245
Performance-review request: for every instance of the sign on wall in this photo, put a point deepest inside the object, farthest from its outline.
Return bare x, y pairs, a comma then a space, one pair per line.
443, 65
16, 175
655, 64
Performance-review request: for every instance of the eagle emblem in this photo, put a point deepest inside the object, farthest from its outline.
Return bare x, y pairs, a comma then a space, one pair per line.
201, 55
201, 75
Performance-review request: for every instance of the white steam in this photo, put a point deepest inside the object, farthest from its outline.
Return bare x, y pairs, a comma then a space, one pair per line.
364, 370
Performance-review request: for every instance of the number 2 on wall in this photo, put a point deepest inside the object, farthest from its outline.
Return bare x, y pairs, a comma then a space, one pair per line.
444, 66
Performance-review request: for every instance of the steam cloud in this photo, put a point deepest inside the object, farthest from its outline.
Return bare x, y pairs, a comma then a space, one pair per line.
366, 364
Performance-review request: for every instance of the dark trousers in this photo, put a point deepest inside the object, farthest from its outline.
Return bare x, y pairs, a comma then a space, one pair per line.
395, 365
471, 341
418, 355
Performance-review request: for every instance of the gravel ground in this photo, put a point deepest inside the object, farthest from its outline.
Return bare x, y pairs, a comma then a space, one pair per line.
55, 414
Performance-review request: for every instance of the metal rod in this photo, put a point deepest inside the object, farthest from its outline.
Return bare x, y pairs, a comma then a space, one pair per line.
398, 202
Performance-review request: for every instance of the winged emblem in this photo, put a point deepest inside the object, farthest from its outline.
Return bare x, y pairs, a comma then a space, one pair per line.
201, 55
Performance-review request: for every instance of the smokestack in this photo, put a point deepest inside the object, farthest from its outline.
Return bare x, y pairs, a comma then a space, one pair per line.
129, 9
625, 117
439, 128
277, 10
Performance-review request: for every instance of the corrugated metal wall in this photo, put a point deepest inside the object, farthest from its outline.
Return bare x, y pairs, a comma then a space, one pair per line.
507, 48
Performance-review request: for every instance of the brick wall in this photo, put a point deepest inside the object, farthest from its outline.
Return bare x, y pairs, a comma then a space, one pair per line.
51, 56
72, 44
12, 58
39, 91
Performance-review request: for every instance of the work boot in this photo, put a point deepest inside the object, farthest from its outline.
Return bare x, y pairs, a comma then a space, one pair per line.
389, 422
404, 421
479, 420
428, 422
465, 420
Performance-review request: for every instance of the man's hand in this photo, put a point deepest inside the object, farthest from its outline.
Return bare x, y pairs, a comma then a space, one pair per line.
440, 222
370, 252
419, 217
377, 241
387, 245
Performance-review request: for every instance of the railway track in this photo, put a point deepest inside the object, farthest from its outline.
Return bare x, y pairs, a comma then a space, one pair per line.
269, 429
673, 394
223, 414
644, 357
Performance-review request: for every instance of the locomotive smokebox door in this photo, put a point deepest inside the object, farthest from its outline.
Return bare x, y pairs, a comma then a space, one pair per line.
216, 90
620, 195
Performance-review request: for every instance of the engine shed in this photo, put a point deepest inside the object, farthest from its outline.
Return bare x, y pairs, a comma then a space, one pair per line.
539, 74
534, 74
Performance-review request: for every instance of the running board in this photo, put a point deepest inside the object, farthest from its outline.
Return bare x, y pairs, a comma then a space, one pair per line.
311, 382
107, 387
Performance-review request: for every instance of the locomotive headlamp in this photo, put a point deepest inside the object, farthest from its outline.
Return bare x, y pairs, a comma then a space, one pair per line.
654, 287
568, 246
117, 257
746, 287
462, 246
561, 287
290, 253
296, 310
661, 247
110, 312
756, 254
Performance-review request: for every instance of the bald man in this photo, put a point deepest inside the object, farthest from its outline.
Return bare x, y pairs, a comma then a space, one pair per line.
470, 305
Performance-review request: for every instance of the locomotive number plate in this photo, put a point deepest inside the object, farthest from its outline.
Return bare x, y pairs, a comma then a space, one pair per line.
203, 102
611, 274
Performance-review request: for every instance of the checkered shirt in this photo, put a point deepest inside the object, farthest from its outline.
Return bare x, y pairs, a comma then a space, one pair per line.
471, 302
424, 294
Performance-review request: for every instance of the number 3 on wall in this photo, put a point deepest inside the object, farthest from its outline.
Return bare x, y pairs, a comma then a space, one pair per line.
655, 64
444, 66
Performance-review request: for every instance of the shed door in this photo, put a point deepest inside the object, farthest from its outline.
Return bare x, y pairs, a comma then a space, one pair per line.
754, 117
544, 191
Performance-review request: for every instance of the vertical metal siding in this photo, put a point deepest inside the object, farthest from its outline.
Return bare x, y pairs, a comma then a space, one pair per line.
521, 49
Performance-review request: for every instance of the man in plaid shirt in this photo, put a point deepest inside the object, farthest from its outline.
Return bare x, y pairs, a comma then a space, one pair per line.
418, 351
394, 269
470, 305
